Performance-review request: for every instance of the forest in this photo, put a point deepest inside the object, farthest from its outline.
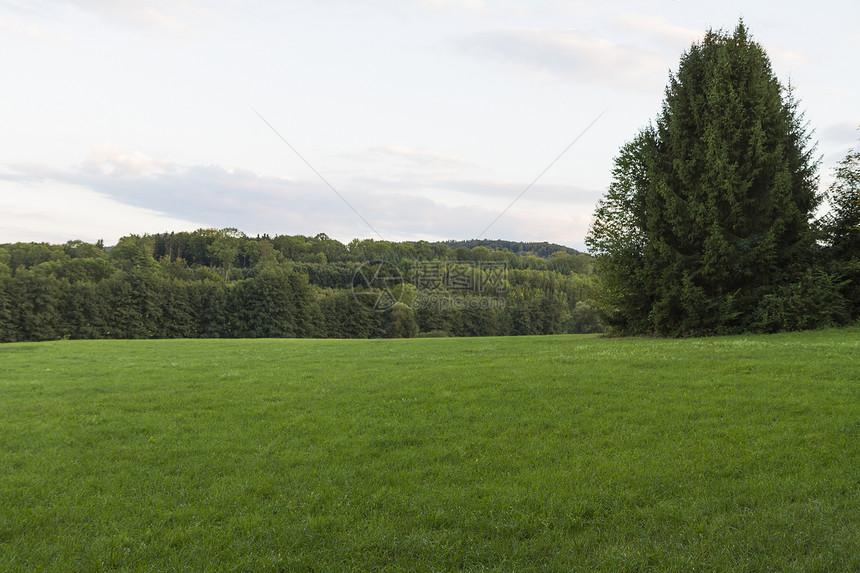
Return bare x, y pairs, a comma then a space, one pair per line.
214, 283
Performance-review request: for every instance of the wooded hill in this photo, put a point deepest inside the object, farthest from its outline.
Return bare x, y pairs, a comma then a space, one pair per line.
222, 283
542, 249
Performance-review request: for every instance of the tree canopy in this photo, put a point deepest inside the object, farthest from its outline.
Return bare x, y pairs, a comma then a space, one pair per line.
710, 207
222, 283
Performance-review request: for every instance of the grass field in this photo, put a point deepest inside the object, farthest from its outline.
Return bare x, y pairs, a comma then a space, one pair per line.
560, 453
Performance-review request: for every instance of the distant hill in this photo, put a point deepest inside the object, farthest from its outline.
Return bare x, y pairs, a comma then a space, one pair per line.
543, 250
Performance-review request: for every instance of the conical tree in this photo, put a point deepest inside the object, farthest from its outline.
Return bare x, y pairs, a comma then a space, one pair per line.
710, 208
843, 229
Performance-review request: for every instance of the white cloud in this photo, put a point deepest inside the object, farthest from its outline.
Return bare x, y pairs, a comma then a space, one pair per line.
456, 4
842, 133
116, 192
31, 32
672, 35
787, 58
679, 38
563, 227
422, 158
109, 159
570, 54
171, 17
557, 195
55, 211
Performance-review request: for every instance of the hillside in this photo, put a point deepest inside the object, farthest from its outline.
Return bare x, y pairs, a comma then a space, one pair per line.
541, 249
224, 284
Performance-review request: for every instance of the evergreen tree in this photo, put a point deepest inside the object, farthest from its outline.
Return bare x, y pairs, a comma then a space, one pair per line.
265, 308
344, 316
36, 301
178, 316
83, 311
212, 305
710, 208
843, 229
7, 316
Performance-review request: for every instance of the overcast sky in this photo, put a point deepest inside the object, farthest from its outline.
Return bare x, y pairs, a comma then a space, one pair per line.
403, 119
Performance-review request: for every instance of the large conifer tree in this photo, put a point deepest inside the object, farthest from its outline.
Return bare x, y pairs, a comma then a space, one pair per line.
710, 208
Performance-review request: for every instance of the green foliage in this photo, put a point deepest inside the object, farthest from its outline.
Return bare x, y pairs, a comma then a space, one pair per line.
567, 264
85, 269
845, 193
225, 248
344, 317
134, 253
82, 250
180, 315
217, 284
403, 323
276, 303
585, 318
134, 304
7, 305
542, 250
812, 302
262, 253
329, 275
618, 237
709, 210
29, 255
842, 229
534, 311
213, 302
85, 311
35, 301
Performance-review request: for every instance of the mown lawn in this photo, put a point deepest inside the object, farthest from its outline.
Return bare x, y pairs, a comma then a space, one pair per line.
495, 454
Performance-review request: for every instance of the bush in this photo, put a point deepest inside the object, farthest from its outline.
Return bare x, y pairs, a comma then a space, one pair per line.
403, 324
813, 302
585, 319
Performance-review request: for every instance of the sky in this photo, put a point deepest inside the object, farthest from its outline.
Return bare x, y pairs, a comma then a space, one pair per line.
384, 119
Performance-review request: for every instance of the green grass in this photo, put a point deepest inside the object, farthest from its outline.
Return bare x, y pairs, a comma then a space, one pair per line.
564, 453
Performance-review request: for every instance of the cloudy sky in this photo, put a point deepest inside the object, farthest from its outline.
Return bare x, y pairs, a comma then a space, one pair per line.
400, 119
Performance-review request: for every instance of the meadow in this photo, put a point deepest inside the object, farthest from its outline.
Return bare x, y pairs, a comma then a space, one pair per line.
562, 453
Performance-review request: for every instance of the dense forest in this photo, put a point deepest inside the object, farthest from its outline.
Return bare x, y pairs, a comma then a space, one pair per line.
222, 283
542, 249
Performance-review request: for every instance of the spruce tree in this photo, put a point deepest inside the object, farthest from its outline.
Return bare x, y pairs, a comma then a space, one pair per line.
843, 229
710, 208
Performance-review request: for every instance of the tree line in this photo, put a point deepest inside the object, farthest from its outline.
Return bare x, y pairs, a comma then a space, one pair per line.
221, 283
542, 249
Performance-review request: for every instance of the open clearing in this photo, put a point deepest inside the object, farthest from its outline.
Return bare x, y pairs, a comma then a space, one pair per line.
558, 453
